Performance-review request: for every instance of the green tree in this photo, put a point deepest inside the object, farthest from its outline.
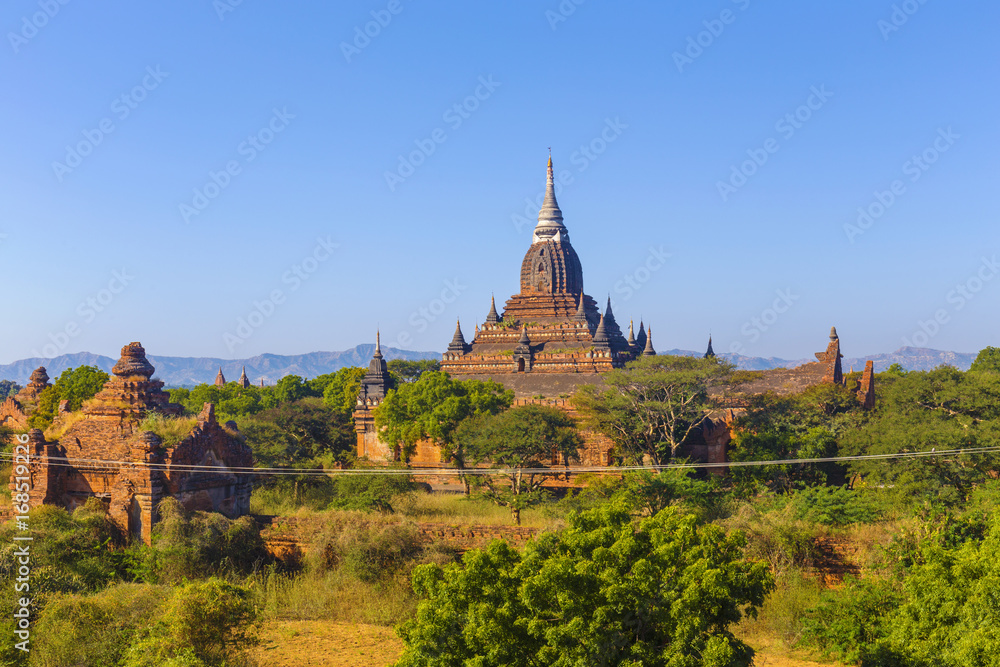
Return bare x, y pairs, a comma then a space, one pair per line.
74, 385
305, 433
894, 370
291, 388
404, 370
942, 409
988, 360
649, 408
432, 407
341, 392
526, 437
9, 388
604, 591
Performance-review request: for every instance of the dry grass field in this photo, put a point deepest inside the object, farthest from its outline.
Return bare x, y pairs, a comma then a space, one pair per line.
332, 644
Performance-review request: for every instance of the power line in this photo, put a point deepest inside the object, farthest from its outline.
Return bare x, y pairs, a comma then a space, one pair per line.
70, 462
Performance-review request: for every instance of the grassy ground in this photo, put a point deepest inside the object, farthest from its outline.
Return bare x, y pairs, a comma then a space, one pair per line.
457, 509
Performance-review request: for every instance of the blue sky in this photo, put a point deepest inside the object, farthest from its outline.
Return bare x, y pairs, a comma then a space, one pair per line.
226, 179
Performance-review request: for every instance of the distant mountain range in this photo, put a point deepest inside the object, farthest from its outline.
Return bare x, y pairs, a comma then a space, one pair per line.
189, 371
910, 358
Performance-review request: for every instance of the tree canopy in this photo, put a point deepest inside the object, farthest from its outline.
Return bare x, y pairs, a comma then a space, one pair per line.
9, 388
408, 371
74, 385
432, 407
604, 591
988, 360
649, 408
528, 436
942, 409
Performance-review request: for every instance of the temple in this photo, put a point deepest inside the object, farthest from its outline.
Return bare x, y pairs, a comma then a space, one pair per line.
827, 369
14, 410
108, 450
552, 336
244, 381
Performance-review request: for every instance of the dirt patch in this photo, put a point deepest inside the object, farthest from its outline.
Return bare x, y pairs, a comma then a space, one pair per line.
328, 644
772, 652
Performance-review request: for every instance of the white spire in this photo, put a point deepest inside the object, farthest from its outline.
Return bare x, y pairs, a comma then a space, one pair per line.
550, 220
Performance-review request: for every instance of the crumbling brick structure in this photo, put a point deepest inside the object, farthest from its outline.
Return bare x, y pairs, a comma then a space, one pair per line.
104, 453
13, 414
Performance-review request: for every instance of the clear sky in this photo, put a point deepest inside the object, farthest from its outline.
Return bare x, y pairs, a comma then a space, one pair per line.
170, 170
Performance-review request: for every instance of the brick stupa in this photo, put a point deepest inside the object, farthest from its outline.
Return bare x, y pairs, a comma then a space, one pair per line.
104, 452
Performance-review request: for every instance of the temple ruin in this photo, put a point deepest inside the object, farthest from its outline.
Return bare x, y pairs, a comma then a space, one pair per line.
109, 450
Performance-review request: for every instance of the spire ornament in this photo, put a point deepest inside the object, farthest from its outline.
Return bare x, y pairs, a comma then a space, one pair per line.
601, 341
550, 218
458, 343
648, 351
493, 317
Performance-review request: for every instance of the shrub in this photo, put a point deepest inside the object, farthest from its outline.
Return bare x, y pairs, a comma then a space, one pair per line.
834, 506
203, 623
198, 544
851, 623
369, 550
96, 629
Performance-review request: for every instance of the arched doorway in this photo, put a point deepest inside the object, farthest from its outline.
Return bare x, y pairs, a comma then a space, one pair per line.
520, 365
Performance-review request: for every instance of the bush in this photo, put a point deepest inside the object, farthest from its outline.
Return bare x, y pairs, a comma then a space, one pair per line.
97, 629
370, 550
370, 492
851, 623
71, 553
203, 623
834, 506
775, 534
197, 624
198, 544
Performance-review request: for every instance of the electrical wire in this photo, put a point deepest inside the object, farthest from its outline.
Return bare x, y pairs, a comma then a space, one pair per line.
71, 462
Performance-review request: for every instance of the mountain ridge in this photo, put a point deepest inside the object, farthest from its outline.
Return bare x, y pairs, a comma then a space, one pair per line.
189, 371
